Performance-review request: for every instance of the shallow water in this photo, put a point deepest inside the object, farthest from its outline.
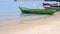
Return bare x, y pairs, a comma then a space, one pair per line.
10, 13
27, 17
9, 8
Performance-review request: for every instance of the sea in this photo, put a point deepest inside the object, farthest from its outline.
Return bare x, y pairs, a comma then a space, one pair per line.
10, 8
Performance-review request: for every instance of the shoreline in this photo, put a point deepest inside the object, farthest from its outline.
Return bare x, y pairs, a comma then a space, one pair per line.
49, 25
22, 18
28, 17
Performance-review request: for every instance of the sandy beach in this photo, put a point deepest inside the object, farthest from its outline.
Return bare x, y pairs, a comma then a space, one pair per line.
47, 24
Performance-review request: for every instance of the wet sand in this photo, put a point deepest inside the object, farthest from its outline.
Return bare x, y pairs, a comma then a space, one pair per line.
49, 24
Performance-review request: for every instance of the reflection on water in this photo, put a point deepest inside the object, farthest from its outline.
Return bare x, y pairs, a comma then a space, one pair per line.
9, 8
10, 13
26, 17
29, 16
22, 17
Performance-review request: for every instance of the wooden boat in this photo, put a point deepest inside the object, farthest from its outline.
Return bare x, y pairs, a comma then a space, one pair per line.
37, 11
51, 6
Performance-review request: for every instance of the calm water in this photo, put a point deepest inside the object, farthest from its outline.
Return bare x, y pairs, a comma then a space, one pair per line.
9, 8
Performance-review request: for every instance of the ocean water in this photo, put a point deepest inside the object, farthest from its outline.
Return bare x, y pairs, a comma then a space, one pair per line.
9, 8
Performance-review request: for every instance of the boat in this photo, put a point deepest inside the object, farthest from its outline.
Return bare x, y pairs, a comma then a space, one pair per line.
37, 11
51, 6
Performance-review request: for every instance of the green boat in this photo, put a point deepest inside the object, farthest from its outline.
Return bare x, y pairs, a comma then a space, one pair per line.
37, 11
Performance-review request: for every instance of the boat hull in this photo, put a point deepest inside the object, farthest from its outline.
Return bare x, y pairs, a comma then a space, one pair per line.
37, 11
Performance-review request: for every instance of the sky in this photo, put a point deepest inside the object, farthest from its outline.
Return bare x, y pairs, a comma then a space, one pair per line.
10, 8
